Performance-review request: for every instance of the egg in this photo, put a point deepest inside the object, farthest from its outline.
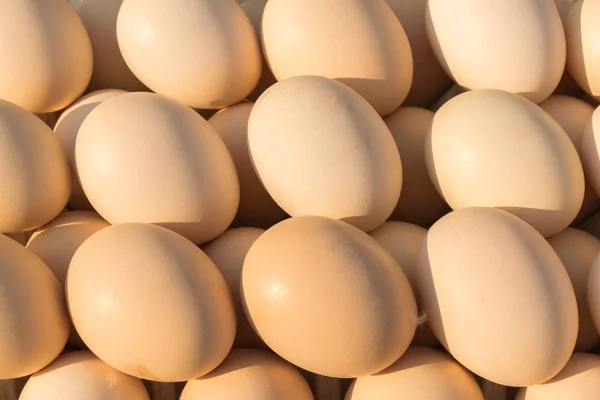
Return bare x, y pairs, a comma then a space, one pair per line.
430, 81
142, 157
80, 375
333, 155
404, 241
204, 53
590, 152
48, 55
578, 250
497, 296
327, 297
149, 303
34, 171
33, 313
66, 128
256, 208
421, 373
228, 252
583, 58
580, 380
248, 374
513, 45
419, 201
492, 148
593, 292
110, 71
361, 43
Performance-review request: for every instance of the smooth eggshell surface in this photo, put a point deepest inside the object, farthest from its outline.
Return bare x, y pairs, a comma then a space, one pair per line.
404, 241
33, 316
333, 155
580, 380
202, 53
250, 374
149, 303
110, 70
80, 375
419, 202
421, 373
328, 298
359, 42
66, 128
257, 208
577, 251
593, 292
590, 151
142, 157
430, 81
513, 45
491, 148
228, 252
48, 55
34, 171
497, 296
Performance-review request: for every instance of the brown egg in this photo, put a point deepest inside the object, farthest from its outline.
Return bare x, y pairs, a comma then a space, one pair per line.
149, 303
34, 171
497, 296
110, 70
491, 148
80, 375
203, 53
334, 156
228, 252
593, 292
47, 60
421, 373
33, 316
328, 298
142, 157
580, 380
250, 374
404, 241
66, 129
256, 208
577, 251
483, 45
254, 9
361, 43
583, 58
419, 202
430, 81
567, 85
590, 151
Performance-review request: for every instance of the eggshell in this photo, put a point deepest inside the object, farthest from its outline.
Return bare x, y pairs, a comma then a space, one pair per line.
327, 297
583, 58
149, 303
256, 208
34, 171
577, 251
590, 151
421, 373
142, 157
66, 129
248, 374
33, 316
497, 296
334, 156
430, 81
495, 149
47, 60
404, 241
203, 53
361, 43
419, 201
580, 380
512, 45
80, 375
228, 252
593, 292
110, 70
